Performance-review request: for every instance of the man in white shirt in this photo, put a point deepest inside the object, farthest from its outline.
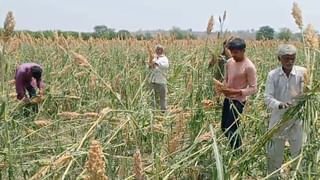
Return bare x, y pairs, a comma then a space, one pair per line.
158, 78
284, 85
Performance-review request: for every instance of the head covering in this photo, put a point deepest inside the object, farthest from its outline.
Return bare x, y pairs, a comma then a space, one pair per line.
159, 46
286, 49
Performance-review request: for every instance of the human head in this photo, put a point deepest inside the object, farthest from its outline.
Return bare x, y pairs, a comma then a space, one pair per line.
159, 49
237, 48
287, 56
36, 72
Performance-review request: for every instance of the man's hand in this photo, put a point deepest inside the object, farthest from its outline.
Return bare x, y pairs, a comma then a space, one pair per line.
26, 100
219, 86
285, 105
229, 92
151, 64
41, 92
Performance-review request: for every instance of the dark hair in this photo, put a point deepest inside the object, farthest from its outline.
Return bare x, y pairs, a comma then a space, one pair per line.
36, 72
237, 44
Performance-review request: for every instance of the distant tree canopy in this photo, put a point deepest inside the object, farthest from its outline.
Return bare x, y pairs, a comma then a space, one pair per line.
102, 31
265, 33
123, 34
181, 34
285, 34
144, 36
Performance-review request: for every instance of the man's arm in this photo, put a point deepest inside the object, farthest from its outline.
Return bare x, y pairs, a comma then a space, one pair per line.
269, 94
41, 86
162, 63
151, 62
225, 80
20, 88
252, 81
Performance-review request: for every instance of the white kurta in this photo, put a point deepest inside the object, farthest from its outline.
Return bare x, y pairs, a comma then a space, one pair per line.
280, 88
159, 73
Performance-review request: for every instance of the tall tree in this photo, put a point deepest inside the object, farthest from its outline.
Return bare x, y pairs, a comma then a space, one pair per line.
265, 33
285, 34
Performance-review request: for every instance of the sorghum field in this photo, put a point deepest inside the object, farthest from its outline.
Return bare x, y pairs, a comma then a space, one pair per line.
95, 120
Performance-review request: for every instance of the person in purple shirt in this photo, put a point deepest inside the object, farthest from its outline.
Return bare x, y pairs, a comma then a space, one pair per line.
28, 77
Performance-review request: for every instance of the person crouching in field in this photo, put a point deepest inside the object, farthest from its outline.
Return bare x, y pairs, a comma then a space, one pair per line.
240, 81
159, 66
27, 78
283, 85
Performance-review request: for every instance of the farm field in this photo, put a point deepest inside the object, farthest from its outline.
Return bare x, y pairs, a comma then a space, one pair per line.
96, 122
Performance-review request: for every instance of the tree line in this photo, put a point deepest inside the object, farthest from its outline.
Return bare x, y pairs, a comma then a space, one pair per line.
104, 32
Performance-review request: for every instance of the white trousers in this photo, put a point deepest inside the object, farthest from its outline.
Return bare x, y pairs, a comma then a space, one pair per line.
275, 150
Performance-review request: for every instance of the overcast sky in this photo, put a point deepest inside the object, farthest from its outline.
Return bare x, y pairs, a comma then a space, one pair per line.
133, 15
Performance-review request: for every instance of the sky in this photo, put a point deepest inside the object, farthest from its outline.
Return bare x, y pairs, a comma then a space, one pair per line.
134, 15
